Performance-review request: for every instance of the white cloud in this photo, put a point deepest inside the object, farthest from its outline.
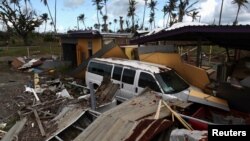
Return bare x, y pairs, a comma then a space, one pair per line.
120, 7
61, 29
73, 3
210, 11
160, 23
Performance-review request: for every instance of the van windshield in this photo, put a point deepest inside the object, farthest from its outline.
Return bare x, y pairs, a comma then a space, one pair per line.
171, 82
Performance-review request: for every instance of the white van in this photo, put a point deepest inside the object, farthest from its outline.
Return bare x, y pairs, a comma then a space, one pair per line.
133, 76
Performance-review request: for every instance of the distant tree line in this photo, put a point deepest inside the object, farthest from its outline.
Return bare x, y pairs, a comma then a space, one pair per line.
23, 20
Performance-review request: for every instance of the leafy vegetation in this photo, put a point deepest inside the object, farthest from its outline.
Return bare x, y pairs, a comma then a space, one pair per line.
23, 21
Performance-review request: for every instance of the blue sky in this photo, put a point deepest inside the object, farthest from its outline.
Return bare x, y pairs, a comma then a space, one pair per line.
68, 10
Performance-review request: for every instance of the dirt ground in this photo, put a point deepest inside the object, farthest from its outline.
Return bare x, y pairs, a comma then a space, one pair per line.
11, 86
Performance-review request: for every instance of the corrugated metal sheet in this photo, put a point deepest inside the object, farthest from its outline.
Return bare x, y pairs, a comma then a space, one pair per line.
225, 36
126, 121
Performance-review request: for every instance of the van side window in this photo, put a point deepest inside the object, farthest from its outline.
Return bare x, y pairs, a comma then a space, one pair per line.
147, 80
128, 76
117, 73
100, 69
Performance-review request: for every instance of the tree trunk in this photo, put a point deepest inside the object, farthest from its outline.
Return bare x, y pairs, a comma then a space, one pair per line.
144, 15
221, 11
168, 19
236, 18
77, 23
84, 25
45, 26
25, 40
164, 20
97, 14
55, 13
105, 25
51, 17
133, 24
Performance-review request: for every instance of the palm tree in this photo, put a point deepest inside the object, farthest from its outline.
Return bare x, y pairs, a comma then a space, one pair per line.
45, 2
239, 3
121, 23
194, 15
105, 26
184, 8
131, 13
97, 26
51, 25
173, 19
165, 11
144, 11
82, 18
45, 18
98, 4
110, 23
151, 22
115, 21
169, 8
152, 6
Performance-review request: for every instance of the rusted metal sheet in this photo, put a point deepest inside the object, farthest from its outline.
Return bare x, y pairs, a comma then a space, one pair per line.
148, 128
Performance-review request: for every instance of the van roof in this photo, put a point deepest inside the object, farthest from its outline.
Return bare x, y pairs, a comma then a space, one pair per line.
154, 68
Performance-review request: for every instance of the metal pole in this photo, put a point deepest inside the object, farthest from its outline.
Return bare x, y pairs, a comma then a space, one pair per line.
92, 96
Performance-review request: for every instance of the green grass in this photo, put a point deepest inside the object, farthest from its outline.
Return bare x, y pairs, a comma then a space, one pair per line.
45, 48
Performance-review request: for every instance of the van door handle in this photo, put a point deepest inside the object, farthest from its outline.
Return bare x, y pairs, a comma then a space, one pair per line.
122, 85
136, 89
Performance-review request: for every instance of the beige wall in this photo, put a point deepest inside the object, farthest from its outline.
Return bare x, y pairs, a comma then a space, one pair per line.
82, 48
194, 75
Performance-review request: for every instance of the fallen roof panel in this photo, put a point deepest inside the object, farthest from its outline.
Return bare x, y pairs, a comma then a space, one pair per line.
119, 122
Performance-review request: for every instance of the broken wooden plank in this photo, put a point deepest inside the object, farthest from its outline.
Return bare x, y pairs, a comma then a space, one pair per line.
15, 130
39, 122
182, 121
157, 114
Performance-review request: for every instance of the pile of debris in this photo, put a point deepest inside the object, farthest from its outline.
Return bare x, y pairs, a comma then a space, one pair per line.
50, 106
22, 63
37, 65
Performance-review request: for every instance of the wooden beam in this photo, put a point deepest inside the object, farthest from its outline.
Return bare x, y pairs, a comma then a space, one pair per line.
157, 114
39, 122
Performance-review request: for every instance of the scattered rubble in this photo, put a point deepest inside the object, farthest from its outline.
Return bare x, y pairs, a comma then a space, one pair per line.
47, 108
